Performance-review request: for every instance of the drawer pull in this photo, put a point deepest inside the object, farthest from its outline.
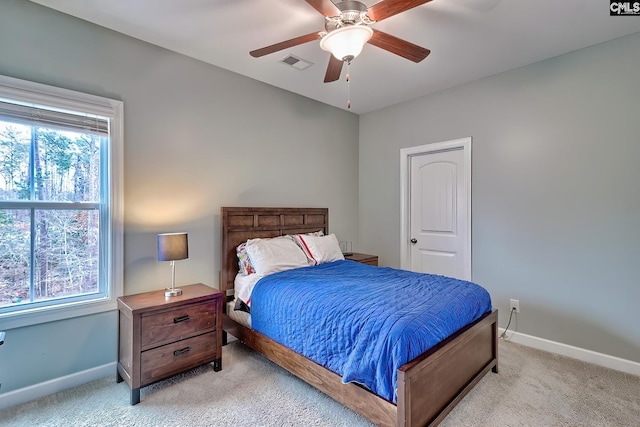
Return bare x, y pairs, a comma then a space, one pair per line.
181, 319
181, 351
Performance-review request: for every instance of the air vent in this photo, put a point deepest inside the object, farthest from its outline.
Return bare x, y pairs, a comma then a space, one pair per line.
295, 62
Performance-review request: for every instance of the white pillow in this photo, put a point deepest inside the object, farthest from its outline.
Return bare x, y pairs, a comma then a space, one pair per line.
273, 255
321, 249
244, 285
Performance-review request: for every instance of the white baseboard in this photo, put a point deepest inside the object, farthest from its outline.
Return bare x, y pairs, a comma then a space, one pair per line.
55, 385
578, 353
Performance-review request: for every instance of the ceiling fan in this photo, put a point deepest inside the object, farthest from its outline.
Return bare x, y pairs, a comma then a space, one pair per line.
348, 28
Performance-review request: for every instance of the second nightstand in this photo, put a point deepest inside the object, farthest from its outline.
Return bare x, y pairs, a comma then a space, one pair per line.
363, 258
162, 336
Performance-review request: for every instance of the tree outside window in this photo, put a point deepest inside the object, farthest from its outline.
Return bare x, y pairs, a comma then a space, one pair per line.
64, 167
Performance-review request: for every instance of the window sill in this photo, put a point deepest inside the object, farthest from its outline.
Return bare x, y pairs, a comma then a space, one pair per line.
60, 312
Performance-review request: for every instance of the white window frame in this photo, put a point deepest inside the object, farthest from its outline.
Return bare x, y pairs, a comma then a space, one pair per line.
40, 94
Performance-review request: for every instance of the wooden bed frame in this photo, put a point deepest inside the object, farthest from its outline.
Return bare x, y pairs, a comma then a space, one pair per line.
429, 386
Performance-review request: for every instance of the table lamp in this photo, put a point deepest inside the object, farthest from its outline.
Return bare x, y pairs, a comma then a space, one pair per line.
172, 247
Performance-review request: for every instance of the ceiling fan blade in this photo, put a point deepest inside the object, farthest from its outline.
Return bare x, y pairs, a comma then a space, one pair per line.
285, 44
398, 46
387, 8
334, 69
325, 7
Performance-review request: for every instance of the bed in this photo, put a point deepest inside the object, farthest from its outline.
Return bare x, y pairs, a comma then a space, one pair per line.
428, 386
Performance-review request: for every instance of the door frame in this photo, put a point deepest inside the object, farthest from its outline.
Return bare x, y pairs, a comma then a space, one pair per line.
405, 192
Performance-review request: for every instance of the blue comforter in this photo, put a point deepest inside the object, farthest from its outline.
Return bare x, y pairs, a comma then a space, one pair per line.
363, 322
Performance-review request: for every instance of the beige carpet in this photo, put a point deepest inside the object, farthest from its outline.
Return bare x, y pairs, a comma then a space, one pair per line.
533, 388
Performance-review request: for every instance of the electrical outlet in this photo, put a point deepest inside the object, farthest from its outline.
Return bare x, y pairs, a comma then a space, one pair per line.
514, 304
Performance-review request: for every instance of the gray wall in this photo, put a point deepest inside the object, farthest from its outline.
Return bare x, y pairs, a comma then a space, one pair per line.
196, 138
556, 203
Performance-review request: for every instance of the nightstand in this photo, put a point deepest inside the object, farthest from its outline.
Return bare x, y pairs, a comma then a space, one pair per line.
363, 258
162, 336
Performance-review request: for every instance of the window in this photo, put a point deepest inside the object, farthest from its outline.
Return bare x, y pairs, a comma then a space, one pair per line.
60, 203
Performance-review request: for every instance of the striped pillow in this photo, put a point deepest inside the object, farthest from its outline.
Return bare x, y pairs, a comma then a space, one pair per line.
319, 249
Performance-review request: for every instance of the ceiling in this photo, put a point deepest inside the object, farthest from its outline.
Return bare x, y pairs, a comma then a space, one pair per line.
468, 39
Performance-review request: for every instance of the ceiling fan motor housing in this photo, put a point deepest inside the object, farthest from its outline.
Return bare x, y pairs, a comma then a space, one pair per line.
351, 13
351, 10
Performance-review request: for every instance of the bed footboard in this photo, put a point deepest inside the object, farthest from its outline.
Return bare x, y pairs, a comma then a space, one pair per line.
430, 386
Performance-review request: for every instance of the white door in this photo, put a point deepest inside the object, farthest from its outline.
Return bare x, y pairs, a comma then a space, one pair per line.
438, 206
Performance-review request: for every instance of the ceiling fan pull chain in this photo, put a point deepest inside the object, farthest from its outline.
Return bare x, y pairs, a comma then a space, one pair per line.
348, 86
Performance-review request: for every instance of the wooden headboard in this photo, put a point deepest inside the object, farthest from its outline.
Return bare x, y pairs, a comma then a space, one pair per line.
240, 224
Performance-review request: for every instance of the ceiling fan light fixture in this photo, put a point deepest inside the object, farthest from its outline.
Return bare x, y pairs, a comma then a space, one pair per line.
346, 43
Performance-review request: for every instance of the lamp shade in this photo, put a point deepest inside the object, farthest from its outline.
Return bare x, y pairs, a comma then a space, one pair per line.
346, 43
172, 246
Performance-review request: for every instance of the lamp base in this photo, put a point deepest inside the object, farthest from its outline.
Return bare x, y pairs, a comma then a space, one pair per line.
172, 292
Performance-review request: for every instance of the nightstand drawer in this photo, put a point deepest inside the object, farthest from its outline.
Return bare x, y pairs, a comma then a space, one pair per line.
179, 323
171, 359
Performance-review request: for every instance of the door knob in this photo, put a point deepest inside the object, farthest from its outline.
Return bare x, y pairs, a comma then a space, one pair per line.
414, 241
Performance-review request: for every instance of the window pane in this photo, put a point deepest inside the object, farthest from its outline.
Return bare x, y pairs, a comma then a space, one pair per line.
67, 166
15, 262
15, 142
66, 253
